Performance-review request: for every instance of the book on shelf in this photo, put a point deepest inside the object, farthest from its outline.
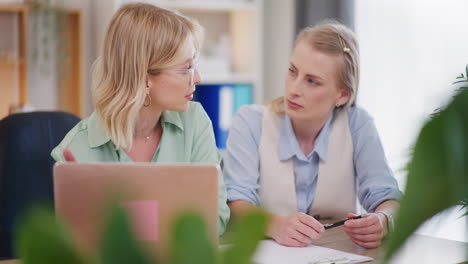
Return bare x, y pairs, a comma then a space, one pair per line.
221, 102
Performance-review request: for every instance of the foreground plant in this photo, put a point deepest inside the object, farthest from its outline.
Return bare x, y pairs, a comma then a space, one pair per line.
437, 173
42, 239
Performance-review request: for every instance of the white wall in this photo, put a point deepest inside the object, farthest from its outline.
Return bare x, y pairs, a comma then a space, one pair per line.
411, 51
102, 12
279, 34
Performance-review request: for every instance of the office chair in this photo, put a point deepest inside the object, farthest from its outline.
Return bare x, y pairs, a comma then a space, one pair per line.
26, 140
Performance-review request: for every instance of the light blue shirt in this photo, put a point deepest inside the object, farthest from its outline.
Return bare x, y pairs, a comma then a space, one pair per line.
374, 179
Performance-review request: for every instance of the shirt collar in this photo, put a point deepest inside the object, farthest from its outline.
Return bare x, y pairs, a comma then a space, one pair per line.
97, 135
289, 147
173, 118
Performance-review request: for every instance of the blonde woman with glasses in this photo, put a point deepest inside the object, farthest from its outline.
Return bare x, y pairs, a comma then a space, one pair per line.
143, 84
310, 154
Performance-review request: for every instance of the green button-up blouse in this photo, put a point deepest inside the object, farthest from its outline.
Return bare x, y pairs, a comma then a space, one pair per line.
187, 137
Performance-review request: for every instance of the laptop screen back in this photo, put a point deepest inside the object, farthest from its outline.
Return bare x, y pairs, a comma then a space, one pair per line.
154, 195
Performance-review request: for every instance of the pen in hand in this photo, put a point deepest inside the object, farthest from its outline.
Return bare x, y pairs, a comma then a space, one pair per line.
328, 226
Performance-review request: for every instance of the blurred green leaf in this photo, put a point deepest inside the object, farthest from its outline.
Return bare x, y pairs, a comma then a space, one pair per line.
245, 237
41, 239
437, 177
44, 240
190, 242
119, 244
464, 205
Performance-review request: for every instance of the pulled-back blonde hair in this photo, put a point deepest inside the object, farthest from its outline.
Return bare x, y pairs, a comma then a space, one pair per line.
335, 39
140, 37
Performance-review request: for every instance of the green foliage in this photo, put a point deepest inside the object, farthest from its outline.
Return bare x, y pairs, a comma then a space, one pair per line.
245, 237
190, 243
437, 177
119, 244
42, 239
464, 204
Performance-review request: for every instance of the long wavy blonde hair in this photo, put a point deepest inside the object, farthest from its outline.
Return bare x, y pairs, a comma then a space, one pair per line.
139, 37
332, 38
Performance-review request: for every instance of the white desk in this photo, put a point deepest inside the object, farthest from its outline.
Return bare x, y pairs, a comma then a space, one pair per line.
419, 249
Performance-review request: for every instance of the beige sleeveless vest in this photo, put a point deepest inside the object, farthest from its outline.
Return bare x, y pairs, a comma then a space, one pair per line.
335, 194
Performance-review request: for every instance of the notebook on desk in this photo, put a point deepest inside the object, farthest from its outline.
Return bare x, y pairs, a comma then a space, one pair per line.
270, 252
153, 195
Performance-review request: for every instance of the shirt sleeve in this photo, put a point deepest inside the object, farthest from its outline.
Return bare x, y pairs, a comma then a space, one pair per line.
57, 154
75, 140
204, 150
241, 160
375, 180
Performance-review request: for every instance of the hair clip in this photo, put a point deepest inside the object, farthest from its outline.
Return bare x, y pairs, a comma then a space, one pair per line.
343, 44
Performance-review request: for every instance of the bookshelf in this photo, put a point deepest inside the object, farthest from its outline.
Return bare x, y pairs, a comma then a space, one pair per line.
231, 63
235, 29
70, 88
14, 59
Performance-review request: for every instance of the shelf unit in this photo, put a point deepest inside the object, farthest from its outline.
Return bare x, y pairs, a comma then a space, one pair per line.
206, 5
240, 22
14, 68
70, 88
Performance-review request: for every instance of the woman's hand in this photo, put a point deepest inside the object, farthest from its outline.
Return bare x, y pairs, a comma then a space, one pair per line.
367, 232
68, 155
297, 230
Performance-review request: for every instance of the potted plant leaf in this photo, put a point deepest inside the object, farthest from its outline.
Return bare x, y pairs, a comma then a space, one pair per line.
437, 176
42, 238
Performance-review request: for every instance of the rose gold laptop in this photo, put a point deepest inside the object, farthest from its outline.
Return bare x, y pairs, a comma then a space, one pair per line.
153, 195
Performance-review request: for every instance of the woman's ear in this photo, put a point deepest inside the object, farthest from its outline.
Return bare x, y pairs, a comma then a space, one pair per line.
147, 80
343, 97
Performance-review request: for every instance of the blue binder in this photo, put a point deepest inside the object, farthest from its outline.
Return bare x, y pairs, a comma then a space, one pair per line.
242, 96
220, 102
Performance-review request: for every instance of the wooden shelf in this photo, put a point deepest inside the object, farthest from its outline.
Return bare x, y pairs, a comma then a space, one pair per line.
12, 61
239, 23
209, 5
231, 78
14, 71
71, 83
14, 8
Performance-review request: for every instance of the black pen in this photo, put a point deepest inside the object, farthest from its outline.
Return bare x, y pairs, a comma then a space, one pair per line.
328, 226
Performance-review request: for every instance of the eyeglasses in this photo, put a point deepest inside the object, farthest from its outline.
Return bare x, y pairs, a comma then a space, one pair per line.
190, 71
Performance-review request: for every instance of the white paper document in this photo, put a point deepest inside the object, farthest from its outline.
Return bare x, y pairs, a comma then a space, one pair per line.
270, 252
